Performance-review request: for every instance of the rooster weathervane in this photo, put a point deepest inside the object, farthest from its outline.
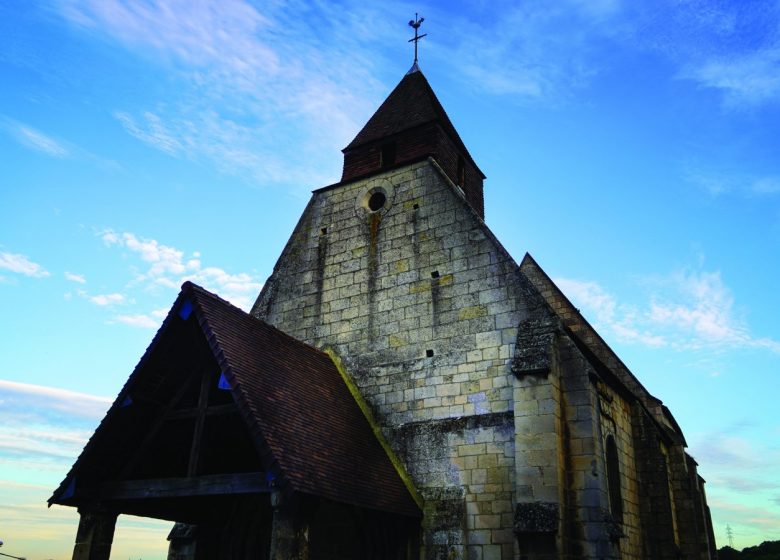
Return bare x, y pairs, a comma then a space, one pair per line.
416, 23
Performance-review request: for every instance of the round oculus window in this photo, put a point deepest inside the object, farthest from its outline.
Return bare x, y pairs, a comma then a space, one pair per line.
376, 201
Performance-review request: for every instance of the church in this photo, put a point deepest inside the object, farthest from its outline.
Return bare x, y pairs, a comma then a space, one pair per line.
402, 388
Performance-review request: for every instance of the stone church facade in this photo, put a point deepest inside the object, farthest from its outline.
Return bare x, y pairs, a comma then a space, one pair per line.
511, 429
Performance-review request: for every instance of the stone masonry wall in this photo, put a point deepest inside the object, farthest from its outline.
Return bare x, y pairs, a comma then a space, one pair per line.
656, 507
422, 305
615, 419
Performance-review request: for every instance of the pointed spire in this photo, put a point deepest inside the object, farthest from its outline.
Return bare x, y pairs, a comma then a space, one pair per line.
411, 104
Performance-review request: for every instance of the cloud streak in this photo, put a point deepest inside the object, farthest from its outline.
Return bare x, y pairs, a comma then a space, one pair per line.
73, 277
685, 311
538, 51
42, 429
138, 320
753, 78
35, 140
62, 400
534, 50
107, 299
168, 267
254, 79
20, 264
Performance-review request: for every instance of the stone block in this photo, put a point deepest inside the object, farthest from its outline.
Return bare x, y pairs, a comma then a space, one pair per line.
491, 552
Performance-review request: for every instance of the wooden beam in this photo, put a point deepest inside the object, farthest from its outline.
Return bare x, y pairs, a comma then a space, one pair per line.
209, 485
200, 419
215, 410
157, 425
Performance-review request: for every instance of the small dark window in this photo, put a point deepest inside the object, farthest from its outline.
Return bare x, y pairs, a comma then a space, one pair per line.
429, 353
416, 206
435, 274
461, 171
324, 231
376, 201
613, 480
387, 155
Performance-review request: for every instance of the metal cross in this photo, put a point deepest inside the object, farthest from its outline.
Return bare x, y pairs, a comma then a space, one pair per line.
416, 23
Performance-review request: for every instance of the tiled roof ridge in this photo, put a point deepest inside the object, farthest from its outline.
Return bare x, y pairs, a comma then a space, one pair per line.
189, 285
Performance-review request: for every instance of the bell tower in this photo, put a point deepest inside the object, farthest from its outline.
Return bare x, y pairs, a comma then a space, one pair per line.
410, 126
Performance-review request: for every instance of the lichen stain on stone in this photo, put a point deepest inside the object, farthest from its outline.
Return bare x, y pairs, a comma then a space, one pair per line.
359, 252
319, 273
374, 219
435, 302
402, 266
373, 227
415, 240
472, 312
428, 285
409, 204
396, 341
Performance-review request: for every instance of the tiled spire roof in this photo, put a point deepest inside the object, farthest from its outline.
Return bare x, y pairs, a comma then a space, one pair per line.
412, 103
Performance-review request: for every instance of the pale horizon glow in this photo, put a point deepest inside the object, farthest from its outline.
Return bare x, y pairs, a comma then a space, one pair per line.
630, 147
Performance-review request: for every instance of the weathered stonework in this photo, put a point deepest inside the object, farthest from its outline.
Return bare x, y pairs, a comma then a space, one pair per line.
471, 391
494, 393
384, 289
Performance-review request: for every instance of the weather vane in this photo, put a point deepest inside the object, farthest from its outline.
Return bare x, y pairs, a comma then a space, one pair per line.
416, 23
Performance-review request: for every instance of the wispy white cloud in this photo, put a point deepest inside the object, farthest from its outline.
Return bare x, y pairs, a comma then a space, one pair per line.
620, 319
151, 320
744, 484
107, 299
15, 262
717, 182
140, 320
753, 78
766, 185
731, 47
543, 51
254, 80
42, 442
741, 478
34, 139
43, 429
73, 277
39, 532
533, 50
168, 267
706, 309
726, 450
52, 398
151, 130
754, 523
685, 310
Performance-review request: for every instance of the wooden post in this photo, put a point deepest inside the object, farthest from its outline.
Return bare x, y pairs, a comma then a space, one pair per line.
289, 531
95, 535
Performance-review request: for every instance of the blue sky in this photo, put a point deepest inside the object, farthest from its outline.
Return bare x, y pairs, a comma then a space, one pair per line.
630, 147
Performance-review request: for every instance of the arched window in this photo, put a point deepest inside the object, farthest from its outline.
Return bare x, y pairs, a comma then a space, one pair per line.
613, 480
